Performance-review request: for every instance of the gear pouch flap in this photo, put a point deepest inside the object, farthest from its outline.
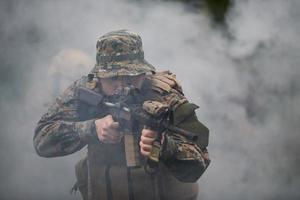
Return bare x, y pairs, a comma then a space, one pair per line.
183, 112
154, 108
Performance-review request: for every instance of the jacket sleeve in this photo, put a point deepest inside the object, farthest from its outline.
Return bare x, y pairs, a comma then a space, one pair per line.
59, 132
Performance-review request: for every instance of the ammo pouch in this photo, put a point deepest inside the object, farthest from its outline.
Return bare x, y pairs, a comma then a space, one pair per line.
81, 170
185, 118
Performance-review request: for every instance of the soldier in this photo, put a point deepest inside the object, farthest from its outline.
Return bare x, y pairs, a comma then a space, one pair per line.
117, 164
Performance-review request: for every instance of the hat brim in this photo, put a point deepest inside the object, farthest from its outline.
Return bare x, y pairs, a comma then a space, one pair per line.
123, 68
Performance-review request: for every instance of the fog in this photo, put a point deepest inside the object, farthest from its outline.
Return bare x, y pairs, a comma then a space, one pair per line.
244, 76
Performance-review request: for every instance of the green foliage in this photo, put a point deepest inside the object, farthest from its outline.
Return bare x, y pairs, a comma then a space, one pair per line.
216, 8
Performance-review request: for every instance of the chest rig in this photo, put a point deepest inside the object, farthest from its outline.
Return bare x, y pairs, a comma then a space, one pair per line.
95, 105
114, 170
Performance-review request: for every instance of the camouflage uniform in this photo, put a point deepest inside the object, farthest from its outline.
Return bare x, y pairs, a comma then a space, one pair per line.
69, 125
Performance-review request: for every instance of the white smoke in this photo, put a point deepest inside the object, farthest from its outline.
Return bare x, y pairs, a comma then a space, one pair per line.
245, 80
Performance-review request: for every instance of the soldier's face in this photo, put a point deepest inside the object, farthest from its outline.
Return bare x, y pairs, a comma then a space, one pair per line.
111, 86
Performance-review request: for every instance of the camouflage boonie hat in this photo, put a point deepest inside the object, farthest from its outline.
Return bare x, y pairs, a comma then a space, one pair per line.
120, 53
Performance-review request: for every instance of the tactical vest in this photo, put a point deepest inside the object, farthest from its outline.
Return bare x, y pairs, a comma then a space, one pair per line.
104, 175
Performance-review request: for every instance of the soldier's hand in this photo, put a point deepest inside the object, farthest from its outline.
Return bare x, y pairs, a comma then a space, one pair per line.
107, 130
147, 138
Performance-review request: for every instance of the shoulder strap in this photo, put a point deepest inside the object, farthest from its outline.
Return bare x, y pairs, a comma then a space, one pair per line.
164, 82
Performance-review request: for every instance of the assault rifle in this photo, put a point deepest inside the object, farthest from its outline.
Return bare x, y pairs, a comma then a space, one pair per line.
124, 113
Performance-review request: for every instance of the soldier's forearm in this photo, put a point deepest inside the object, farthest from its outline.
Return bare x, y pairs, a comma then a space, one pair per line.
61, 138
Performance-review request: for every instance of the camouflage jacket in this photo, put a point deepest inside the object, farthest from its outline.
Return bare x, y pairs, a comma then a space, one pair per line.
64, 129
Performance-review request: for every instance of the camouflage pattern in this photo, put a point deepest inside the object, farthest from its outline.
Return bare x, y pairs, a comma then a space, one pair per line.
120, 53
68, 126
62, 131
65, 120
